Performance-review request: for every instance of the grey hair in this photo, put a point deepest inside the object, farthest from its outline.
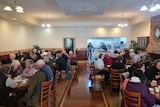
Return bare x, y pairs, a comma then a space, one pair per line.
29, 61
35, 66
12, 55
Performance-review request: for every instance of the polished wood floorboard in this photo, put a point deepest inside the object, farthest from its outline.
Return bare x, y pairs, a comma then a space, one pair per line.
79, 94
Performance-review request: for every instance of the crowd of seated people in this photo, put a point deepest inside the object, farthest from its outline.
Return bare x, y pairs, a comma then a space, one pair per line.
36, 69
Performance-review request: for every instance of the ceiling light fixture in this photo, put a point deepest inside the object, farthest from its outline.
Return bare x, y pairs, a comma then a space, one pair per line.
123, 23
150, 5
46, 24
10, 5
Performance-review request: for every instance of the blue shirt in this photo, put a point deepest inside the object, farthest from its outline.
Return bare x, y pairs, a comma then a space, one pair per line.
48, 73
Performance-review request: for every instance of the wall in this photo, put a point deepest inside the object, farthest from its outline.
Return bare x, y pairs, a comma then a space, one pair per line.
53, 37
140, 30
15, 36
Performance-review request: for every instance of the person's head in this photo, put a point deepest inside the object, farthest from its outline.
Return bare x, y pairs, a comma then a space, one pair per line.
40, 63
29, 62
70, 52
116, 52
140, 75
49, 54
5, 70
101, 56
157, 64
119, 58
139, 66
34, 68
12, 56
15, 64
58, 55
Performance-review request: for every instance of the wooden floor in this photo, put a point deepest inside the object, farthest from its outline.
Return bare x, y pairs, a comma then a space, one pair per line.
79, 94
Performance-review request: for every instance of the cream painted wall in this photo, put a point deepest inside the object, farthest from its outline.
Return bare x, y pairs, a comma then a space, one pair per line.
141, 30
15, 36
53, 37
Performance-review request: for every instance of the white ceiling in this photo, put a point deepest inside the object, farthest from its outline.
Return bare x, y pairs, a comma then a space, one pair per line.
57, 11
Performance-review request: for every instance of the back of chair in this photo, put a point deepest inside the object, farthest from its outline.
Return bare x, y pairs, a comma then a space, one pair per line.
115, 78
128, 61
45, 93
115, 74
121, 78
131, 99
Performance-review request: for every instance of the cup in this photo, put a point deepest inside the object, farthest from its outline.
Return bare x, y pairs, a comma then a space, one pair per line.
157, 89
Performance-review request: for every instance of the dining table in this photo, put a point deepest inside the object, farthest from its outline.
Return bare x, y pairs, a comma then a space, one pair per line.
22, 87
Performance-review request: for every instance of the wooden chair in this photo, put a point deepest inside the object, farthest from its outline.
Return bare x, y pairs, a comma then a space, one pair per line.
121, 78
128, 61
96, 78
53, 91
115, 78
131, 99
45, 94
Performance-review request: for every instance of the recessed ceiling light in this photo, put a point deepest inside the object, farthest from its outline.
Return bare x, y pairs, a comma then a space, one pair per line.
14, 18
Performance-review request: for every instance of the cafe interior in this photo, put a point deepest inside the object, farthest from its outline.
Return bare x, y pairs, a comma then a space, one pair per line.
47, 30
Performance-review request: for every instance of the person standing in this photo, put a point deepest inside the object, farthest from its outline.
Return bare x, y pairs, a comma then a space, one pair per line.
89, 50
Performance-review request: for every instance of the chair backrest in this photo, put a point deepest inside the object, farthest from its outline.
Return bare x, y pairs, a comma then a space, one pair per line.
115, 77
121, 78
131, 99
45, 93
55, 79
128, 61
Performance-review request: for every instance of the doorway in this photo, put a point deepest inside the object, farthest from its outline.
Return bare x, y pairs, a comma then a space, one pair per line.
68, 44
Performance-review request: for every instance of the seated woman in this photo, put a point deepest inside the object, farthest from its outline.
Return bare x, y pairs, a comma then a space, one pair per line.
6, 86
154, 72
137, 83
107, 60
118, 64
16, 68
73, 59
27, 72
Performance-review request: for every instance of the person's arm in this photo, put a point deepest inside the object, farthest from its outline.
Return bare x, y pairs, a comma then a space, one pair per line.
11, 83
31, 87
148, 98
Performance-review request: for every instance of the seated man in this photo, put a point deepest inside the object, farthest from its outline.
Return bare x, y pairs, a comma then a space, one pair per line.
100, 67
34, 91
6, 86
61, 63
46, 70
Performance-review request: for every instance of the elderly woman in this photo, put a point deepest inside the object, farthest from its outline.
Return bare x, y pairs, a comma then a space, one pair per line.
6, 86
137, 83
154, 72
16, 68
27, 72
